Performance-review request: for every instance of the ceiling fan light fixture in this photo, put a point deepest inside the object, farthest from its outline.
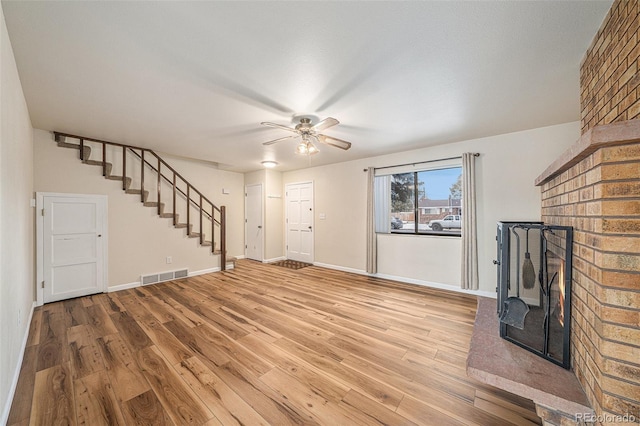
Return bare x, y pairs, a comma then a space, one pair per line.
309, 133
311, 149
302, 148
269, 164
306, 148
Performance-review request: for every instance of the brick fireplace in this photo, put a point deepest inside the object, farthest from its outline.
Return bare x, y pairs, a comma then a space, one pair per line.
595, 187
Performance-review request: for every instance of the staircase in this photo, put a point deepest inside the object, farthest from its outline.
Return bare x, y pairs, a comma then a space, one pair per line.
169, 193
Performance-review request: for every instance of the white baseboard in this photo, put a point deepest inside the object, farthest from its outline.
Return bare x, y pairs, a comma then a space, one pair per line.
16, 373
275, 259
239, 257
440, 286
119, 287
405, 280
341, 268
203, 271
190, 274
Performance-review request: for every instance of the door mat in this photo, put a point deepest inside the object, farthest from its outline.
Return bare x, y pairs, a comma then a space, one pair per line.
291, 264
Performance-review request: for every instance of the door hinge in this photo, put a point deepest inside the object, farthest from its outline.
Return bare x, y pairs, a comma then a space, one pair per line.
42, 284
245, 246
246, 220
42, 212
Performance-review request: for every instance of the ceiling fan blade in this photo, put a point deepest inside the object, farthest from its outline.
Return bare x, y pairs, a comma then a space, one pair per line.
325, 124
279, 126
279, 140
338, 143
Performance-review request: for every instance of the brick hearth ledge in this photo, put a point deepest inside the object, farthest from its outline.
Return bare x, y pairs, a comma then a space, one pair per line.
497, 362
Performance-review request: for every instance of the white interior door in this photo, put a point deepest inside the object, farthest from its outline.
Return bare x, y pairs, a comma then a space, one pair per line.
254, 235
299, 221
73, 246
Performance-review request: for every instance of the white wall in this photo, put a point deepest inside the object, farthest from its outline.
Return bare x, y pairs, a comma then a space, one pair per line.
16, 222
274, 243
273, 201
211, 181
506, 170
139, 241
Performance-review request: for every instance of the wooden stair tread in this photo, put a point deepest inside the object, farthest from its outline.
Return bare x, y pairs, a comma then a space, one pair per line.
133, 191
113, 177
68, 145
181, 225
194, 235
167, 215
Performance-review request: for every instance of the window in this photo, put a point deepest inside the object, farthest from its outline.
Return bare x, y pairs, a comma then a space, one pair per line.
420, 202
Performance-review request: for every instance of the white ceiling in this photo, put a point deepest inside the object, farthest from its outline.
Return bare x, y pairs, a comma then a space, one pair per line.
197, 78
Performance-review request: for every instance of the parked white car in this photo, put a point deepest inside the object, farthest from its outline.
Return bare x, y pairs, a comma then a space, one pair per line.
451, 221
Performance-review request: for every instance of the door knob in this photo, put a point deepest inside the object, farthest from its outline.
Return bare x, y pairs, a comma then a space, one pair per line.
259, 226
309, 227
99, 235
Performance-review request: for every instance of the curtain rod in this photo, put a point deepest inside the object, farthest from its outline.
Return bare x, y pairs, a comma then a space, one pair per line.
475, 154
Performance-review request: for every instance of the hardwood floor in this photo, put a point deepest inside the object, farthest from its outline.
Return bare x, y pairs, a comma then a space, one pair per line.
259, 345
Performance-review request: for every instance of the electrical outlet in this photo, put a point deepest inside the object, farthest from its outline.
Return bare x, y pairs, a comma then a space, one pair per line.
169, 259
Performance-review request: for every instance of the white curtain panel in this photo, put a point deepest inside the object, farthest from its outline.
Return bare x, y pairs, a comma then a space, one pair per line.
382, 203
372, 254
469, 223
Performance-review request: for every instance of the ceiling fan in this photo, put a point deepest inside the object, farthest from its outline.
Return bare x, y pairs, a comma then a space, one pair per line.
309, 133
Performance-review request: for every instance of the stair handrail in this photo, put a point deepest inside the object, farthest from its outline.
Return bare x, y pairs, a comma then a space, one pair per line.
171, 183
221, 210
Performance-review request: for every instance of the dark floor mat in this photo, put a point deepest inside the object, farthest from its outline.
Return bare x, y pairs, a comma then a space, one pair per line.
291, 264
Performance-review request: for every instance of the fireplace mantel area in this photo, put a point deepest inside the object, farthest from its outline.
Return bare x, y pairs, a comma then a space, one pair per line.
593, 187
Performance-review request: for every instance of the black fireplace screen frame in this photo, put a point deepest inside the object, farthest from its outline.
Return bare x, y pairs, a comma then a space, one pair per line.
505, 285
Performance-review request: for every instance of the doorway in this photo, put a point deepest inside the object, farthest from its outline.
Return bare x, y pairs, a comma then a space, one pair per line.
299, 221
72, 246
254, 235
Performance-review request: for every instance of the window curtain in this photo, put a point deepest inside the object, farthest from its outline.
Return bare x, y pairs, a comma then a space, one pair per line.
382, 204
469, 223
372, 249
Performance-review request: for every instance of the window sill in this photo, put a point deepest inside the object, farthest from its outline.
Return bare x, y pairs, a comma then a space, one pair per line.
447, 234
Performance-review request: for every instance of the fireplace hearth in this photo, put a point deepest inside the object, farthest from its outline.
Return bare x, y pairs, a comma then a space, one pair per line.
534, 288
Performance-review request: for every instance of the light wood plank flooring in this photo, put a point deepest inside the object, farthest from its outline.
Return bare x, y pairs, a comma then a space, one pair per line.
259, 345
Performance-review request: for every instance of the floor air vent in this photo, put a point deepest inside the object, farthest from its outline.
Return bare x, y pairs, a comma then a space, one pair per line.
163, 276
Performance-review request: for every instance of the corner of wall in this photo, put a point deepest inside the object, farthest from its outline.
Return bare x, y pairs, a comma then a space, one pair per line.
17, 270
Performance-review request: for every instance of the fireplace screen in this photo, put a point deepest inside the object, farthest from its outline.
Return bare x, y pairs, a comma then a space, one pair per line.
534, 287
